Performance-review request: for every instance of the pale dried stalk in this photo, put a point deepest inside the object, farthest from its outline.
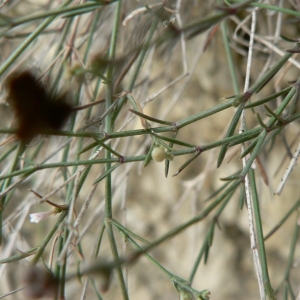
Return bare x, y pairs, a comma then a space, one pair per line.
263, 41
288, 171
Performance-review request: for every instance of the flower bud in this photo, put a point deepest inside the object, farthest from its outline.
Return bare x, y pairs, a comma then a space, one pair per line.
159, 154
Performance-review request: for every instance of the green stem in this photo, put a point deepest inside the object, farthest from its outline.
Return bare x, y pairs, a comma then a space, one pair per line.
208, 239
203, 114
280, 223
109, 128
7, 182
264, 79
128, 234
77, 9
63, 267
43, 245
236, 138
292, 251
260, 238
230, 61
193, 221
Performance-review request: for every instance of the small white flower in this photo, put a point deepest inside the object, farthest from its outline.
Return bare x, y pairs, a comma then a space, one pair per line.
37, 217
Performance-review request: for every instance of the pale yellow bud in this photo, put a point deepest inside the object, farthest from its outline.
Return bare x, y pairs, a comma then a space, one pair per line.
159, 154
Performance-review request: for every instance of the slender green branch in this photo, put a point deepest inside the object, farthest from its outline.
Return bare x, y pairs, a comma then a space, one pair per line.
264, 79
77, 9
47, 239
199, 149
205, 212
207, 243
292, 251
260, 239
267, 99
231, 63
6, 183
282, 221
109, 128
19, 256
203, 114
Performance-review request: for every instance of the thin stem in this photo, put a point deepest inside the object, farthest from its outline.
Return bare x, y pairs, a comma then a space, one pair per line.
77, 9
260, 238
292, 251
109, 128
47, 239
128, 234
208, 239
6, 183
230, 60
205, 212
281, 222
